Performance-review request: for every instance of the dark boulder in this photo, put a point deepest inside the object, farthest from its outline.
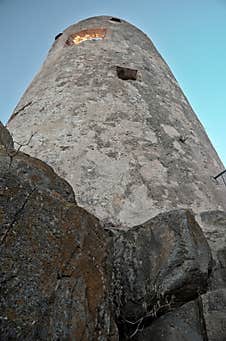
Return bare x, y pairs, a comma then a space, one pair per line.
158, 265
183, 324
54, 278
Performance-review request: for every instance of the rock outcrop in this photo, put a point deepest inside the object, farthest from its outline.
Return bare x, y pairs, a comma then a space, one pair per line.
158, 266
65, 275
165, 261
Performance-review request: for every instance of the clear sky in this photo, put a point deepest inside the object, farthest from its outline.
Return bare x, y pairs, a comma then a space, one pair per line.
190, 35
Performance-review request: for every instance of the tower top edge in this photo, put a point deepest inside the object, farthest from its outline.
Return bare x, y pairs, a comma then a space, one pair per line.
102, 20
116, 29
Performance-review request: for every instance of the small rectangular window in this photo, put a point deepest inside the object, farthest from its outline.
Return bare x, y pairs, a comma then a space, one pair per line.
115, 19
126, 73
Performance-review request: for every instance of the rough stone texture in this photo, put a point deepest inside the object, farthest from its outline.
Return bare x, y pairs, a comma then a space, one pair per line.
53, 278
184, 324
203, 319
129, 148
214, 227
65, 277
164, 262
5, 138
214, 310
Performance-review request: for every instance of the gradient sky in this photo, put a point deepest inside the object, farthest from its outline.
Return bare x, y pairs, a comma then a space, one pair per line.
190, 35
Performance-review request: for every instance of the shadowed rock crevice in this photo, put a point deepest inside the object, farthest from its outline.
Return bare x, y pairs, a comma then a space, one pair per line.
202, 319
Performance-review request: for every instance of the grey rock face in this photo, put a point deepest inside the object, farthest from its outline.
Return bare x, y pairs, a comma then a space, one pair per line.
214, 301
128, 142
214, 309
203, 319
180, 325
5, 138
214, 227
158, 266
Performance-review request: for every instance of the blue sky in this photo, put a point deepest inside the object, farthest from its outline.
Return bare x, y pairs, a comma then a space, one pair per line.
190, 35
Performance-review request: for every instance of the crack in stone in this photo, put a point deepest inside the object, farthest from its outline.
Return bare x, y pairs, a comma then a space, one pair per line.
17, 215
202, 319
18, 111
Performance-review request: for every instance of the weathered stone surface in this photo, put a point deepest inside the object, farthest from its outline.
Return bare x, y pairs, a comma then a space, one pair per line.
183, 324
130, 148
64, 277
53, 279
109, 116
214, 227
61, 272
214, 312
5, 137
162, 263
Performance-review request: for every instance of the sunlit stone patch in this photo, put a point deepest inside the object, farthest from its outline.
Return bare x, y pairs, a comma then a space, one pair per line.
90, 34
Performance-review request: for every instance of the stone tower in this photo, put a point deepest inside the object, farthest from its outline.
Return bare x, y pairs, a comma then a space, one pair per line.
109, 116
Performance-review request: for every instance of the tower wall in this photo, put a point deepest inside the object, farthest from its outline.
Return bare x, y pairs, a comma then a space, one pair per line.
109, 116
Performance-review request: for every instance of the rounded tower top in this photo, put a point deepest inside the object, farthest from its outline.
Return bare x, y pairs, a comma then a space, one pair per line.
107, 28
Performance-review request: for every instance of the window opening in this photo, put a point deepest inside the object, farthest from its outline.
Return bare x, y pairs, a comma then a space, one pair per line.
90, 34
115, 19
126, 73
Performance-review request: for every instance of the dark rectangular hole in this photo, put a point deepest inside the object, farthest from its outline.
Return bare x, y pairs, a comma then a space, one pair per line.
115, 19
126, 73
